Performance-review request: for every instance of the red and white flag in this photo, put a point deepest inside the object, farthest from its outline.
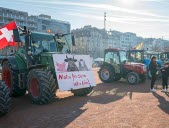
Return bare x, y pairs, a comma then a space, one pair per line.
6, 35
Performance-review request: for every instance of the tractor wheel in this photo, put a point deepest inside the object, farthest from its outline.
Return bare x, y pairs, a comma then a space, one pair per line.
82, 92
5, 100
11, 79
133, 78
106, 74
41, 86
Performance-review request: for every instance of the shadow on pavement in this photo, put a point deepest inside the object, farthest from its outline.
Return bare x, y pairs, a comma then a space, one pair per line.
163, 103
105, 93
62, 112
57, 114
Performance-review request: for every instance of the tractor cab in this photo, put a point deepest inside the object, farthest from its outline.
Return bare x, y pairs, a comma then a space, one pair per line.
164, 56
37, 49
117, 66
44, 42
136, 56
116, 58
149, 54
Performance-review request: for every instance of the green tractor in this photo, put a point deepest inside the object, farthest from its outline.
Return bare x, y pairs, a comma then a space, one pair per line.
32, 69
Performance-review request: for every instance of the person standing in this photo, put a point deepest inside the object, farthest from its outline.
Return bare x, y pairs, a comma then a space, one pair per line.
153, 69
165, 74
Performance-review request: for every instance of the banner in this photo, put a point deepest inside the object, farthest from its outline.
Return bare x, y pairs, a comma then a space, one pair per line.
73, 71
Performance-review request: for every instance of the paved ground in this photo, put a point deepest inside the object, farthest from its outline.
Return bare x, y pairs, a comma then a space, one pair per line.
114, 105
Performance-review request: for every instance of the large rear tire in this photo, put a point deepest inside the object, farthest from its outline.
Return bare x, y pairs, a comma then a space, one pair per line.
133, 78
5, 100
82, 92
11, 80
106, 74
41, 86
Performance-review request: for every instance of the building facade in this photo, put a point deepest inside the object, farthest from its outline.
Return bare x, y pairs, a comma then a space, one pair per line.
90, 40
128, 40
114, 39
41, 23
8, 15
47, 24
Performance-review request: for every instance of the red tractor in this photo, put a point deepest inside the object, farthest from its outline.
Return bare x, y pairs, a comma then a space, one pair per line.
116, 66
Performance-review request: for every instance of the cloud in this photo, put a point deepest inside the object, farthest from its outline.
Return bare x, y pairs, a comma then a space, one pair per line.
146, 22
78, 9
103, 7
99, 16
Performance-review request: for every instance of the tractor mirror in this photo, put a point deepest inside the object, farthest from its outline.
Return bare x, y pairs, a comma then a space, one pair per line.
16, 35
73, 41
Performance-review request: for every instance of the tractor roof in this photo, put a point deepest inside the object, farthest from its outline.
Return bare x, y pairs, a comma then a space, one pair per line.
113, 50
152, 52
136, 50
164, 52
40, 35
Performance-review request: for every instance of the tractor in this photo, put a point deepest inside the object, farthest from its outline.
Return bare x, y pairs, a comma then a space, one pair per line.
5, 100
116, 66
142, 56
32, 68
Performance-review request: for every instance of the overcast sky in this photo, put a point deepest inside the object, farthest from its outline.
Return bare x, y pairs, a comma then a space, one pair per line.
147, 18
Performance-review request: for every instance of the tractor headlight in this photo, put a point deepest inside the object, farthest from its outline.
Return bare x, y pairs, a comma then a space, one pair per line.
144, 68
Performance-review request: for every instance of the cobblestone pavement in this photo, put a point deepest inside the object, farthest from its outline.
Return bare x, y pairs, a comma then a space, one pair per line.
113, 105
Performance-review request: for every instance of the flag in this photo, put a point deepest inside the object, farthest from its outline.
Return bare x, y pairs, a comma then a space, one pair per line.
6, 35
139, 46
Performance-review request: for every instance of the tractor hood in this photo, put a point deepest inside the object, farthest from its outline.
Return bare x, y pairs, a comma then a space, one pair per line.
139, 68
134, 64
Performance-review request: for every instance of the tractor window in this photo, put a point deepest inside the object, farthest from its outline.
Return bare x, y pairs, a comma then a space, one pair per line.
43, 43
167, 55
164, 56
63, 45
123, 56
132, 56
112, 58
136, 56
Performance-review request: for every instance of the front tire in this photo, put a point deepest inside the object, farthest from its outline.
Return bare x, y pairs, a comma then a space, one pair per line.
82, 92
5, 100
106, 74
133, 78
41, 86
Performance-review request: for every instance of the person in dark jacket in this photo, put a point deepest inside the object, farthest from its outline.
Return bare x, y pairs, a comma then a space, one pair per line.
165, 73
153, 67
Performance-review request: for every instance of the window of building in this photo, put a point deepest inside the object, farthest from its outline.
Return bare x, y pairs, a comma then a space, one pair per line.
44, 27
